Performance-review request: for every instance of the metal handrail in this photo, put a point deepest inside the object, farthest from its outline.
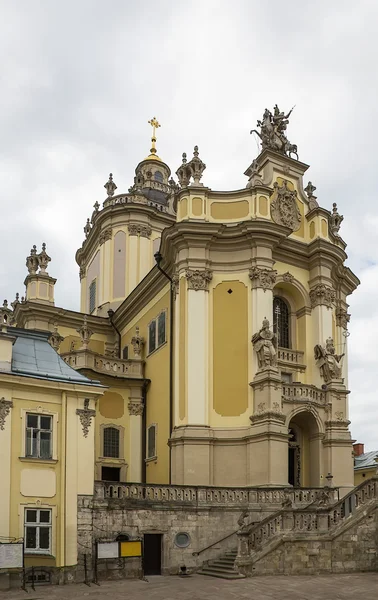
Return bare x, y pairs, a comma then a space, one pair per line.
221, 540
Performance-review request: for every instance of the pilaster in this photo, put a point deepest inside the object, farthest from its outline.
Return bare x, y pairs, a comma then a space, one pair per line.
135, 407
6, 406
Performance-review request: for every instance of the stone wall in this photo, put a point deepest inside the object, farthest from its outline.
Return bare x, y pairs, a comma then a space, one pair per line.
353, 548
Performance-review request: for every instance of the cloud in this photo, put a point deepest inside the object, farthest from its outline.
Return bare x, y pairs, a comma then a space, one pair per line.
80, 80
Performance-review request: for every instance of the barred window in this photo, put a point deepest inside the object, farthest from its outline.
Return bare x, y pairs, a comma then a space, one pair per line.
281, 322
38, 530
151, 441
152, 336
161, 329
92, 296
38, 436
111, 442
157, 332
125, 353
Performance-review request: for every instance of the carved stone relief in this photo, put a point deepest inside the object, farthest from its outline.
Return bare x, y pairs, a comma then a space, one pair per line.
284, 209
322, 294
139, 229
288, 277
136, 408
5, 407
85, 415
105, 236
198, 280
263, 278
342, 318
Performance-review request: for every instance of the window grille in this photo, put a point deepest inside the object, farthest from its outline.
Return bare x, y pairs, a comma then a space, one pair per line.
111, 442
38, 436
158, 176
281, 322
161, 329
38, 530
92, 296
152, 336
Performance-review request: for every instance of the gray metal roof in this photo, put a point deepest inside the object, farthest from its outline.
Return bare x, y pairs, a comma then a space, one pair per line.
366, 461
33, 356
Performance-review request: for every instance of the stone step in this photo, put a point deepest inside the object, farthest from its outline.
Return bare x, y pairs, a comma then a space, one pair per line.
218, 564
220, 574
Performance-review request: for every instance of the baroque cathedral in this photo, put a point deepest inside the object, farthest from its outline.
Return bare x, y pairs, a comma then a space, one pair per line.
210, 348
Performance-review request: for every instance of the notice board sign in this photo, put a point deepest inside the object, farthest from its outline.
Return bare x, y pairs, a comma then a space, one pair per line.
12, 555
130, 549
124, 549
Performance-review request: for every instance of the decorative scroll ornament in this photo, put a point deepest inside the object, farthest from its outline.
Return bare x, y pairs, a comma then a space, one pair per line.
55, 339
264, 278
140, 229
5, 407
85, 334
288, 277
265, 345
342, 318
110, 186
335, 220
198, 280
328, 361
284, 209
136, 408
322, 294
273, 132
137, 343
85, 415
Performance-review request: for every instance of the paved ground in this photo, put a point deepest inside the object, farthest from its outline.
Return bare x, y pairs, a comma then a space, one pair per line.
197, 587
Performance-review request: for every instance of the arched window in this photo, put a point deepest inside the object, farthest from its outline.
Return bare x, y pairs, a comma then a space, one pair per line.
111, 442
281, 325
158, 176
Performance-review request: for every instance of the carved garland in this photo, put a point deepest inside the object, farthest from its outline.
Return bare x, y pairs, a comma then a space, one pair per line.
136, 408
5, 407
263, 278
198, 280
322, 294
85, 415
139, 229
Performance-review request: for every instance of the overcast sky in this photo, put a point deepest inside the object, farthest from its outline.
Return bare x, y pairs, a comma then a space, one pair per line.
80, 79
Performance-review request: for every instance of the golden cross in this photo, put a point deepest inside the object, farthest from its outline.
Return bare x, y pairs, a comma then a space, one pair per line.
155, 125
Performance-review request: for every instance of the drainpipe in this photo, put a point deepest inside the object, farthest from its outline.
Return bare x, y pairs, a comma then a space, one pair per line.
110, 315
145, 385
158, 259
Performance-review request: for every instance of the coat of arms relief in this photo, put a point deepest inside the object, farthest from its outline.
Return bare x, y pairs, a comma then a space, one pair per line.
284, 209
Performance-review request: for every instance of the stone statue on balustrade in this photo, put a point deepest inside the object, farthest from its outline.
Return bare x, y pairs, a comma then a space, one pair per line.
265, 345
329, 362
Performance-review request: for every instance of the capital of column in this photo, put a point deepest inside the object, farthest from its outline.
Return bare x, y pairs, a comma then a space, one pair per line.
105, 236
322, 294
140, 229
136, 408
198, 280
263, 278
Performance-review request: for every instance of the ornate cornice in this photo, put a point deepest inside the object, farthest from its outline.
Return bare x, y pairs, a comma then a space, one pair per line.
105, 235
322, 294
136, 408
198, 280
5, 407
139, 229
263, 278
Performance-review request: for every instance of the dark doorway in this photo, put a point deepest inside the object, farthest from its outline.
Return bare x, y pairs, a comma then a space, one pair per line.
152, 554
110, 473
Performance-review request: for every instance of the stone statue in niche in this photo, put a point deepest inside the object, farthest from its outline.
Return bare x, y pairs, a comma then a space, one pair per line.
265, 345
329, 362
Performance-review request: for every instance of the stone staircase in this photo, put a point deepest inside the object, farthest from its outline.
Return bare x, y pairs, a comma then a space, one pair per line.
222, 567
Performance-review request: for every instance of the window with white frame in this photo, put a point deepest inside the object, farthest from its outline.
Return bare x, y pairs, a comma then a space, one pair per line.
151, 441
92, 296
157, 332
111, 442
38, 436
38, 530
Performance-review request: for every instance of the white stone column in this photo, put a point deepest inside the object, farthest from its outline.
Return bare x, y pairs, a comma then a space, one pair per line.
197, 346
263, 281
5, 464
136, 408
322, 297
106, 270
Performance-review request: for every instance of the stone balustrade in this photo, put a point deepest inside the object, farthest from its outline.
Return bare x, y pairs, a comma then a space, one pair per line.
129, 199
291, 358
86, 359
206, 496
322, 516
299, 392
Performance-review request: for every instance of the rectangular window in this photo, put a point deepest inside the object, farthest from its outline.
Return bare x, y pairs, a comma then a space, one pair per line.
125, 353
111, 442
92, 296
151, 441
161, 329
38, 530
38, 436
157, 332
152, 336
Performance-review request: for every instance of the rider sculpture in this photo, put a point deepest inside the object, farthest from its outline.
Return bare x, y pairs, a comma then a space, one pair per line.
272, 134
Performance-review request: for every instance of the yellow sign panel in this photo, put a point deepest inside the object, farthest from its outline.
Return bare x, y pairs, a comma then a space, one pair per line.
130, 549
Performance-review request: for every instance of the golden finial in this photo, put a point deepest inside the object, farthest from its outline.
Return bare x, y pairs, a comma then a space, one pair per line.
155, 125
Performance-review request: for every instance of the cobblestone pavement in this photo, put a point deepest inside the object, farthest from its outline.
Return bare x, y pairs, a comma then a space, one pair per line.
197, 587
